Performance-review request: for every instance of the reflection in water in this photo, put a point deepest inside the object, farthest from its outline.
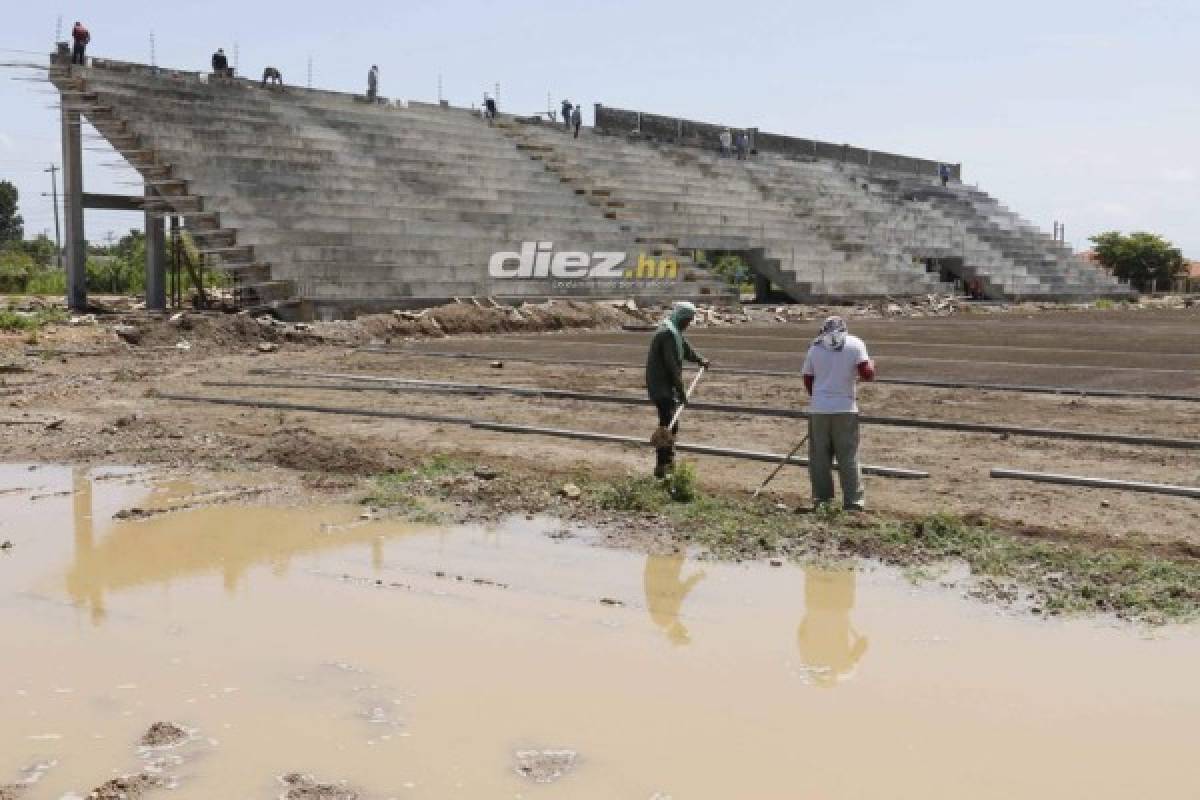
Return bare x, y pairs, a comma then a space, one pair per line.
224, 539
81, 512
665, 592
829, 644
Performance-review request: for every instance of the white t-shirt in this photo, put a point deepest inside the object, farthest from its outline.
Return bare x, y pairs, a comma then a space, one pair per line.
835, 376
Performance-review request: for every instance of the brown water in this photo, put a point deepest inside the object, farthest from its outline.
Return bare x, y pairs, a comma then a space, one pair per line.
307, 639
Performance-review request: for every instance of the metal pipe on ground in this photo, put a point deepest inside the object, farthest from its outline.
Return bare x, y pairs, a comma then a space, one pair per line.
1097, 483
758, 353
723, 452
501, 427
384, 384
1071, 391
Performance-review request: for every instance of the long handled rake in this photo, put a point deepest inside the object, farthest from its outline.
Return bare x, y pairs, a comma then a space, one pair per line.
782, 463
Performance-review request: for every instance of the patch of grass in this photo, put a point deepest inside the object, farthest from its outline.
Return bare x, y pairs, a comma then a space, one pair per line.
1105, 304
397, 488
13, 321
634, 493
681, 483
650, 495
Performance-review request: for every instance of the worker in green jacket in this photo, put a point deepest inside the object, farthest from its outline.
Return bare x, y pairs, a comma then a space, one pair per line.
664, 379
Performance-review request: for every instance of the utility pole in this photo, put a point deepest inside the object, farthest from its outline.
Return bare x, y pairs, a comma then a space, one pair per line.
153, 62
310, 71
58, 29
53, 169
439, 88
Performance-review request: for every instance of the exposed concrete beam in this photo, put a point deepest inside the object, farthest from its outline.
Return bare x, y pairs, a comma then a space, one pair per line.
113, 202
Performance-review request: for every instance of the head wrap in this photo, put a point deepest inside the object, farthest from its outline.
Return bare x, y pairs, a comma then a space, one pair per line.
681, 311
832, 335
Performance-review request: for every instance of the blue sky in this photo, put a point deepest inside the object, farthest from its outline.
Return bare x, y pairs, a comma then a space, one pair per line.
1085, 112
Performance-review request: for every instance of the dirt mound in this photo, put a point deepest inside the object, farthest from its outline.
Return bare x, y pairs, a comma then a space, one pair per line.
163, 734
302, 449
129, 787
305, 787
456, 318
220, 330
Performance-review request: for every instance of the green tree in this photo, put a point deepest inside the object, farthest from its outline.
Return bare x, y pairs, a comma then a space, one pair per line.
12, 227
121, 268
1146, 260
41, 249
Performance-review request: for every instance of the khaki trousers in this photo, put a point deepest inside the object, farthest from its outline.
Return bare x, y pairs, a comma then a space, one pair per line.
830, 436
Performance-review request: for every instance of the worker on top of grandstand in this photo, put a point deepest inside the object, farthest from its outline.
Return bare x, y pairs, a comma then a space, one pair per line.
220, 64
726, 142
489, 107
566, 113
741, 143
944, 173
273, 76
80, 36
576, 120
373, 84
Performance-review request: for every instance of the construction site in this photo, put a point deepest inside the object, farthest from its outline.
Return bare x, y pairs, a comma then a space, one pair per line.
373, 516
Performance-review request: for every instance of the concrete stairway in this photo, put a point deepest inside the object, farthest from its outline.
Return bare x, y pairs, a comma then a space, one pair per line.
694, 200
820, 229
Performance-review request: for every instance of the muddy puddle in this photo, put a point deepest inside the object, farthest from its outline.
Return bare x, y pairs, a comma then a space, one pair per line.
523, 662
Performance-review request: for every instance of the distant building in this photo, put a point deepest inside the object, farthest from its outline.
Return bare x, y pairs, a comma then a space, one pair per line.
1091, 257
1190, 282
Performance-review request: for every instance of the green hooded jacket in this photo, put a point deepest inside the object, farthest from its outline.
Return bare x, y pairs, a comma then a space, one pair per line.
664, 363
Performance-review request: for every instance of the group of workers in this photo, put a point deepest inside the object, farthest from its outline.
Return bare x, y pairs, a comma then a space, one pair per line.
220, 68
731, 143
834, 364
572, 116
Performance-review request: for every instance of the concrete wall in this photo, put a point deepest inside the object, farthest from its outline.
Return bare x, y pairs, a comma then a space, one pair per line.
703, 134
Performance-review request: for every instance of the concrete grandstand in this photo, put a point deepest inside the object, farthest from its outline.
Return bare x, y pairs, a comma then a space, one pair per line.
329, 205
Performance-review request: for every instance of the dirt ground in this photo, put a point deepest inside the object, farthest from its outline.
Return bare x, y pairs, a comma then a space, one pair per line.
85, 394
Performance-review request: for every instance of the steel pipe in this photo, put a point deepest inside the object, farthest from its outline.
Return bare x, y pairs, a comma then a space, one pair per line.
385, 384
501, 427
1097, 483
777, 373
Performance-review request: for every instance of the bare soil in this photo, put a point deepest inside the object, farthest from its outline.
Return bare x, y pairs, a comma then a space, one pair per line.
83, 395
